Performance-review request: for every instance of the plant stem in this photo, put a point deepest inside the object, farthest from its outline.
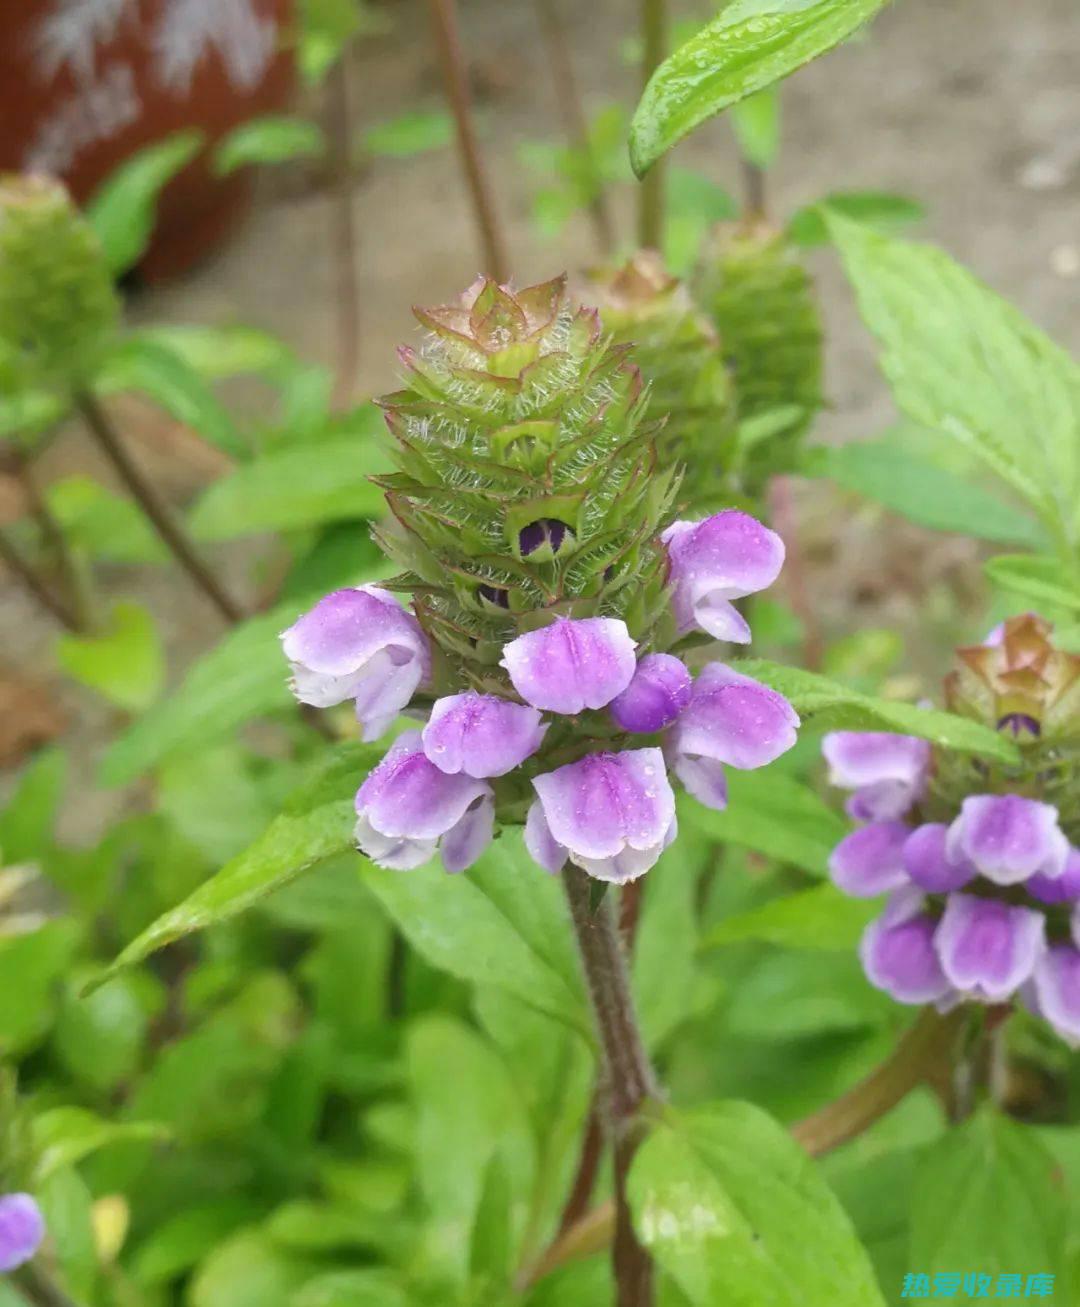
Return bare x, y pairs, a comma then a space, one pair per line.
629, 1077
755, 204
651, 195
78, 600
921, 1052
39, 1288
346, 275
575, 123
785, 520
456, 82
145, 494
36, 585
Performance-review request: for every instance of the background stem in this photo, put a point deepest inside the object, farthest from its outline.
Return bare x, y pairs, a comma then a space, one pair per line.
629, 1077
35, 585
39, 1288
346, 274
145, 494
651, 194
456, 81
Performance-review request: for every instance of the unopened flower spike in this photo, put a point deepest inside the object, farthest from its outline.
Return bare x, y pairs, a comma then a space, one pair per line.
544, 582
979, 864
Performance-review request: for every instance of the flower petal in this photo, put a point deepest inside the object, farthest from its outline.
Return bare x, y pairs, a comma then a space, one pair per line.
22, 1228
394, 852
1057, 889
542, 845
382, 690
1056, 983
408, 795
660, 690
988, 949
724, 557
887, 772
481, 734
928, 864
703, 779
572, 664
464, 843
1008, 838
870, 861
898, 955
607, 802
734, 719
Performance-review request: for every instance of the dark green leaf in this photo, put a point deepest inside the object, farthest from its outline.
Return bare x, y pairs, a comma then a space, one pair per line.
733, 1209
273, 139
751, 45
124, 208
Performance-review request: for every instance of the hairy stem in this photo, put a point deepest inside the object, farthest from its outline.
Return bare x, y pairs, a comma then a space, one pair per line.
651, 195
628, 1074
146, 495
455, 79
572, 111
346, 276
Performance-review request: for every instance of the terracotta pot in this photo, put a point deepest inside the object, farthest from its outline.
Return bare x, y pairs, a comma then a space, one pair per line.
85, 83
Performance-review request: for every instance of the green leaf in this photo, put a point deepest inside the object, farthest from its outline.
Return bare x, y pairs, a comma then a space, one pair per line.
144, 364
968, 364
65, 1135
104, 525
751, 45
819, 917
369, 1288
26, 823
736, 1213
177, 1243
502, 923
293, 487
221, 350
273, 139
68, 1208
694, 204
99, 1040
665, 979
756, 124
921, 491
124, 208
1041, 579
881, 210
31, 967
125, 663
249, 1271
988, 1197
773, 814
830, 706
410, 133
316, 825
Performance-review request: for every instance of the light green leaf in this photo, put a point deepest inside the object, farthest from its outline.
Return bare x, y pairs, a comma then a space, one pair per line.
103, 524
178, 1242
299, 486
143, 364
878, 209
921, 491
736, 1213
1041, 579
273, 139
28, 817
665, 978
756, 124
124, 208
63, 1136
222, 350
828, 705
316, 824
249, 1271
99, 1040
751, 45
368, 1288
410, 133
988, 1197
504, 923
125, 662
31, 967
773, 814
966, 363
819, 917
694, 204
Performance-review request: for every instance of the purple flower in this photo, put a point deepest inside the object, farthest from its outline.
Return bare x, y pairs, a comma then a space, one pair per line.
870, 861
927, 862
571, 665
1008, 838
612, 813
712, 562
22, 1228
887, 772
358, 644
542, 845
1056, 985
407, 808
480, 734
1057, 889
898, 955
730, 719
987, 948
659, 691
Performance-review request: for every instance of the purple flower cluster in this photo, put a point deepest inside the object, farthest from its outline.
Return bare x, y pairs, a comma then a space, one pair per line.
611, 811
984, 908
22, 1228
